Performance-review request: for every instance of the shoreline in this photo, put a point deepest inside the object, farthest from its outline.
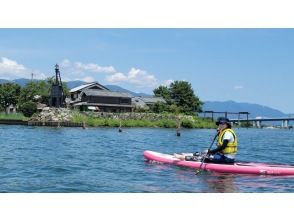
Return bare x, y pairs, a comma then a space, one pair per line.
39, 123
89, 121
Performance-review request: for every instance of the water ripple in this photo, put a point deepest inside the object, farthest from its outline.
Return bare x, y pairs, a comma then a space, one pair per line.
38, 159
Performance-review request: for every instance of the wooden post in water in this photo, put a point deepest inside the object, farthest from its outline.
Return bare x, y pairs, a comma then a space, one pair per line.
178, 128
58, 124
120, 129
84, 125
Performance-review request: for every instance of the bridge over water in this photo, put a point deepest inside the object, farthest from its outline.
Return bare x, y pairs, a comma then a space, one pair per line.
257, 122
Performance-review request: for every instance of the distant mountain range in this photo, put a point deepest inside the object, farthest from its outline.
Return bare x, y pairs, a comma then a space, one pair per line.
21, 82
120, 89
255, 110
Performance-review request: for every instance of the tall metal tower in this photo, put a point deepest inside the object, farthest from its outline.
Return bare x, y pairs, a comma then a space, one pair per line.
57, 95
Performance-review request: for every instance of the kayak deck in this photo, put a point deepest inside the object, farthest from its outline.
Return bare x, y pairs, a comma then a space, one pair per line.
236, 168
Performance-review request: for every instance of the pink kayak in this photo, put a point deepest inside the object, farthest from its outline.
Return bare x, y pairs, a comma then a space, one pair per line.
237, 168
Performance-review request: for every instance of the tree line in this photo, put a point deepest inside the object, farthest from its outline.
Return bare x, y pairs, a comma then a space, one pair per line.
179, 97
26, 98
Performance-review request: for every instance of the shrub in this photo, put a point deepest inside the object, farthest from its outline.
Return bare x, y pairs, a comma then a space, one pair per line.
187, 123
28, 108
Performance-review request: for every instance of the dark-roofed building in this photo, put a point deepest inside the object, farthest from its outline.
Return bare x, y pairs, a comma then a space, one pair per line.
146, 102
94, 96
75, 92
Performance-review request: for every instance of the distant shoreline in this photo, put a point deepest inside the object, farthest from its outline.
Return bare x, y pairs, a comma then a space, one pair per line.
124, 120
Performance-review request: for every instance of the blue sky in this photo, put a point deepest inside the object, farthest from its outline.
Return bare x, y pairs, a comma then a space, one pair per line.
243, 65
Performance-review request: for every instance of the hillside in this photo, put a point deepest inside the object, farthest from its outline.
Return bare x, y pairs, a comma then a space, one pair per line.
120, 89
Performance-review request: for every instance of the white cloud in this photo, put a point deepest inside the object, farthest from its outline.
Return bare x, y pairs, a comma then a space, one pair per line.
79, 71
88, 72
238, 87
134, 77
91, 67
116, 78
141, 78
10, 69
79, 67
10, 66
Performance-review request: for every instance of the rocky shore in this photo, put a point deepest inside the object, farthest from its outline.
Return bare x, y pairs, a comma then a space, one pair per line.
53, 114
64, 114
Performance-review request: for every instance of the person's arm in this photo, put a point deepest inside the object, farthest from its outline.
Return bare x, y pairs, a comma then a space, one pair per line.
220, 148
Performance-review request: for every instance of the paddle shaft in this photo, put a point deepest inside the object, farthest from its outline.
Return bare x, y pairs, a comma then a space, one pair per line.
198, 171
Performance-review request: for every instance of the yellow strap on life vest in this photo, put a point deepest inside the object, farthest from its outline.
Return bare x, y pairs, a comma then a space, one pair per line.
232, 146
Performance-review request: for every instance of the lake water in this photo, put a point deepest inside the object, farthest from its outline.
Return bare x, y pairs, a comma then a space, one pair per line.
42, 159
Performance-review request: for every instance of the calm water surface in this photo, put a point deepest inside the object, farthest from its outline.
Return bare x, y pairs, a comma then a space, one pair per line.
38, 159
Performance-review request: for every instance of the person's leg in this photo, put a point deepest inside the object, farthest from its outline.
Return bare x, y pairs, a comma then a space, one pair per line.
221, 159
229, 160
193, 158
180, 156
187, 157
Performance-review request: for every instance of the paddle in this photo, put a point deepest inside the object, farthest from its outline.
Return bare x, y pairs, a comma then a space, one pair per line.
200, 168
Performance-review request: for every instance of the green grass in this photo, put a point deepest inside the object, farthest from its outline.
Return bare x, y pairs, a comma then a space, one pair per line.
164, 122
12, 116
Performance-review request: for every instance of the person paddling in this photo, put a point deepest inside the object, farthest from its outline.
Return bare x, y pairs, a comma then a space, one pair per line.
226, 146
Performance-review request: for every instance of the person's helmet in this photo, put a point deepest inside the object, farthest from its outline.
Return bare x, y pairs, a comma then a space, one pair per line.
222, 120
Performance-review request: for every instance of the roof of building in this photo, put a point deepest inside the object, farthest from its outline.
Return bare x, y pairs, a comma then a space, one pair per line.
149, 100
138, 102
102, 104
142, 102
86, 86
92, 92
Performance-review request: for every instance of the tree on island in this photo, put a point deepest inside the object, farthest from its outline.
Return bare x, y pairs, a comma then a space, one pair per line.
9, 94
33, 93
179, 97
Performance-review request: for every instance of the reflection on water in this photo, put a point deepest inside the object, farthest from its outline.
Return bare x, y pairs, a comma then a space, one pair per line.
221, 183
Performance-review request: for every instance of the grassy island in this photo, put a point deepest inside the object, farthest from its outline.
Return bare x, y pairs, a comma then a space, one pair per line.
152, 120
142, 120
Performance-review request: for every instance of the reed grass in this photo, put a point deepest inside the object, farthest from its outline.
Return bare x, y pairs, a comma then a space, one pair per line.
91, 121
12, 116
